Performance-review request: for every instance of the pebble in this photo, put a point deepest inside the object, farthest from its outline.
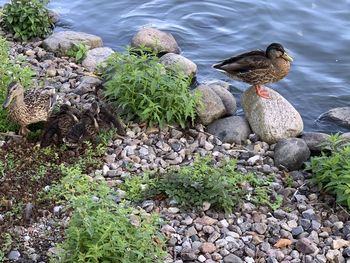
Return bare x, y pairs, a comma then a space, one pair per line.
14, 255
173, 210
340, 243
232, 259
297, 231
213, 237
188, 254
305, 246
260, 228
201, 258
208, 247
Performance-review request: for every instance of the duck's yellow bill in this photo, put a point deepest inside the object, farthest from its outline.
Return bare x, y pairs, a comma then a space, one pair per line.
287, 57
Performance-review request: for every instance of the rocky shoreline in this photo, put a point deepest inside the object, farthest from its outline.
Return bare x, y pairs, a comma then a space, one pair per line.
317, 229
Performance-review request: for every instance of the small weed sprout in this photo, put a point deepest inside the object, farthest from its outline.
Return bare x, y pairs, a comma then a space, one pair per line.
78, 52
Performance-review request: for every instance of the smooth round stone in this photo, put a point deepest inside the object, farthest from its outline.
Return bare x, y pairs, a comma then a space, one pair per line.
14, 255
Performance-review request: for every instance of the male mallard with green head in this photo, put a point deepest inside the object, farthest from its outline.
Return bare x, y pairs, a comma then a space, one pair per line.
30, 106
258, 67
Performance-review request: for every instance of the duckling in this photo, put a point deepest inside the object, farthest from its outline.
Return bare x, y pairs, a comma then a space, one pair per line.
59, 124
107, 120
85, 129
30, 106
258, 67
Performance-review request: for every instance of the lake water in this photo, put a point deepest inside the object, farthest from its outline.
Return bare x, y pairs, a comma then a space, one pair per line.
316, 32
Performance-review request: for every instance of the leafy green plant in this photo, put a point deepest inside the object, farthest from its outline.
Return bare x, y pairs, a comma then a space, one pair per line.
11, 70
27, 19
331, 170
141, 86
2, 169
106, 136
135, 186
220, 185
100, 230
78, 52
5, 245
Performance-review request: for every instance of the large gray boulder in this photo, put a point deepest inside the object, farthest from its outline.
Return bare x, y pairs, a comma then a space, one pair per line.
272, 119
61, 42
339, 116
291, 153
158, 41
210, 107
95, 57
178, 62
315, 140
233, 129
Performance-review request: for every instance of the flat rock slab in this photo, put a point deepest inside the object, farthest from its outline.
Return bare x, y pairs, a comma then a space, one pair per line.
61, 42
95, 57
339, 116
272, 119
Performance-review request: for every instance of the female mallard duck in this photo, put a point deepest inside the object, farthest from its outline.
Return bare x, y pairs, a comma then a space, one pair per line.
26, 107
258, 67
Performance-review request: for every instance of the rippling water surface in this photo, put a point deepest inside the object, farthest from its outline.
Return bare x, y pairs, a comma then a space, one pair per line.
316, 32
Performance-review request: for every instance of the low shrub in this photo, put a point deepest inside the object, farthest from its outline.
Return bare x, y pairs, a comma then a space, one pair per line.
101, 230
191, 186
11, 70
27, 19
331, 170
140, 85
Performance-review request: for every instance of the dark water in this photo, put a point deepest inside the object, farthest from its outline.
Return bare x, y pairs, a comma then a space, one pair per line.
316, 32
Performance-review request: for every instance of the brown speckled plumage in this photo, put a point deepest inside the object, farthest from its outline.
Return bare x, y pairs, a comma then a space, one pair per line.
73, 126
27, 107
59, 124
257, 67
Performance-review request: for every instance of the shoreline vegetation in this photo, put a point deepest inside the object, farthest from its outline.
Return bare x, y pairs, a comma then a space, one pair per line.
163, 169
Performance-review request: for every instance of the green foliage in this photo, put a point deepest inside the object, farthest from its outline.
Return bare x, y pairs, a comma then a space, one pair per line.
331, 170
220, 185
78, 52
100, 230
141, 86
106, 136
5, 245
2, 169
135, 186
11, 70
27, 19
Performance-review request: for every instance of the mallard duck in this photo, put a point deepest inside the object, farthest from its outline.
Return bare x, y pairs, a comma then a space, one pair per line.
258, 67
59, 124
30, 106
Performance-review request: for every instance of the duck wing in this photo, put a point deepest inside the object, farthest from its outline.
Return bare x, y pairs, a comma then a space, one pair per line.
248, 61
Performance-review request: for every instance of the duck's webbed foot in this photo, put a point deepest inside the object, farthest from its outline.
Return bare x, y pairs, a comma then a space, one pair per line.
261, 92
